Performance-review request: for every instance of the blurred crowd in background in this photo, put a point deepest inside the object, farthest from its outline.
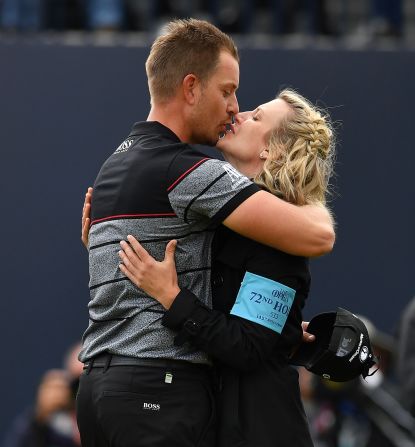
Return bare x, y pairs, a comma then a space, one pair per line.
51, 419
374, 412
335, 18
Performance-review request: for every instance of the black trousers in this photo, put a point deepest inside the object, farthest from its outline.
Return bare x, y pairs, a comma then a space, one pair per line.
146, 406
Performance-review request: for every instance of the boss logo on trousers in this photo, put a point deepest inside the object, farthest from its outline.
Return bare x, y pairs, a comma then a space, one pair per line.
150, 406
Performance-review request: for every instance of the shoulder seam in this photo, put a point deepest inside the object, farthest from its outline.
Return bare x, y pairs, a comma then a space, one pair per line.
185, 174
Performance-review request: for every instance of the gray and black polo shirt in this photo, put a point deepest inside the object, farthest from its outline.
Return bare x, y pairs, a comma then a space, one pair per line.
155, 188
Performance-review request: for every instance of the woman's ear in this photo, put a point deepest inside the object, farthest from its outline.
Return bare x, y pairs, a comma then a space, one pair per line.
190, 86
264, 154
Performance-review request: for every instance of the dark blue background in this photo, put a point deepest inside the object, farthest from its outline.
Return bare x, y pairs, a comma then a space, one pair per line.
64, 109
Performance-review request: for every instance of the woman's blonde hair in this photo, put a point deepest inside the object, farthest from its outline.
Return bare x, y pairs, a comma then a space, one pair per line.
301, 154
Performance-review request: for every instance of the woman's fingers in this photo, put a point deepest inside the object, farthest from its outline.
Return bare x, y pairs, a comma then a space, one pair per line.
133, 257
133, 266
307, 337
124, 269
129, 257
141, 252
123, 256
157, 279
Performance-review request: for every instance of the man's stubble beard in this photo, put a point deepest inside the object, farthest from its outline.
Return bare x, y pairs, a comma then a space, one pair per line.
200, 133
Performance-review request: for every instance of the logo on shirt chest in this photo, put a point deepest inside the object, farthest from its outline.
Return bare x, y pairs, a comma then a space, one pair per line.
124, 146
235, 176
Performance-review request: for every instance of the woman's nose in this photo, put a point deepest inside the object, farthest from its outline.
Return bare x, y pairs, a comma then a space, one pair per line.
242, 116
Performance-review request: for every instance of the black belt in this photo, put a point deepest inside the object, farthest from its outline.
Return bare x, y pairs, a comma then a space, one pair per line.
107, 360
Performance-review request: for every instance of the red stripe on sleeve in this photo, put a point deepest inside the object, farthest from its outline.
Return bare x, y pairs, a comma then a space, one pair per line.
186, 173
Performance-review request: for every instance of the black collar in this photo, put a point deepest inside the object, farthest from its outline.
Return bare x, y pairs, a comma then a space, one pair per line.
153, 127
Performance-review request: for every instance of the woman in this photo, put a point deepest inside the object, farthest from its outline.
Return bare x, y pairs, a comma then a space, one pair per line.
286, 145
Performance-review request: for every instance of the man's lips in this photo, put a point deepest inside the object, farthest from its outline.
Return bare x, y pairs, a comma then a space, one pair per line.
229, 129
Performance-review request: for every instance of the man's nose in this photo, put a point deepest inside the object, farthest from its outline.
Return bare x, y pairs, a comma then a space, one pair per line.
233, 107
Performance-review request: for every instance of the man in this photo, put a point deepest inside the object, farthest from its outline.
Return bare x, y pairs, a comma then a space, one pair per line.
139, 388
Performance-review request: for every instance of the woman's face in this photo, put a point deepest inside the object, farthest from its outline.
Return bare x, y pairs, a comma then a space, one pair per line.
242, 146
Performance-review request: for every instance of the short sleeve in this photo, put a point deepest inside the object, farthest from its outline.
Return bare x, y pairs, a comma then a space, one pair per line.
204, 187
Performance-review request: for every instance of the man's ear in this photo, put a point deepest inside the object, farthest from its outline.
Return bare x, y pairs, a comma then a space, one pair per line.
191, 88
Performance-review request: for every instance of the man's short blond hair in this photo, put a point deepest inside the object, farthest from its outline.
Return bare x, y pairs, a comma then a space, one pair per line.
188, 46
